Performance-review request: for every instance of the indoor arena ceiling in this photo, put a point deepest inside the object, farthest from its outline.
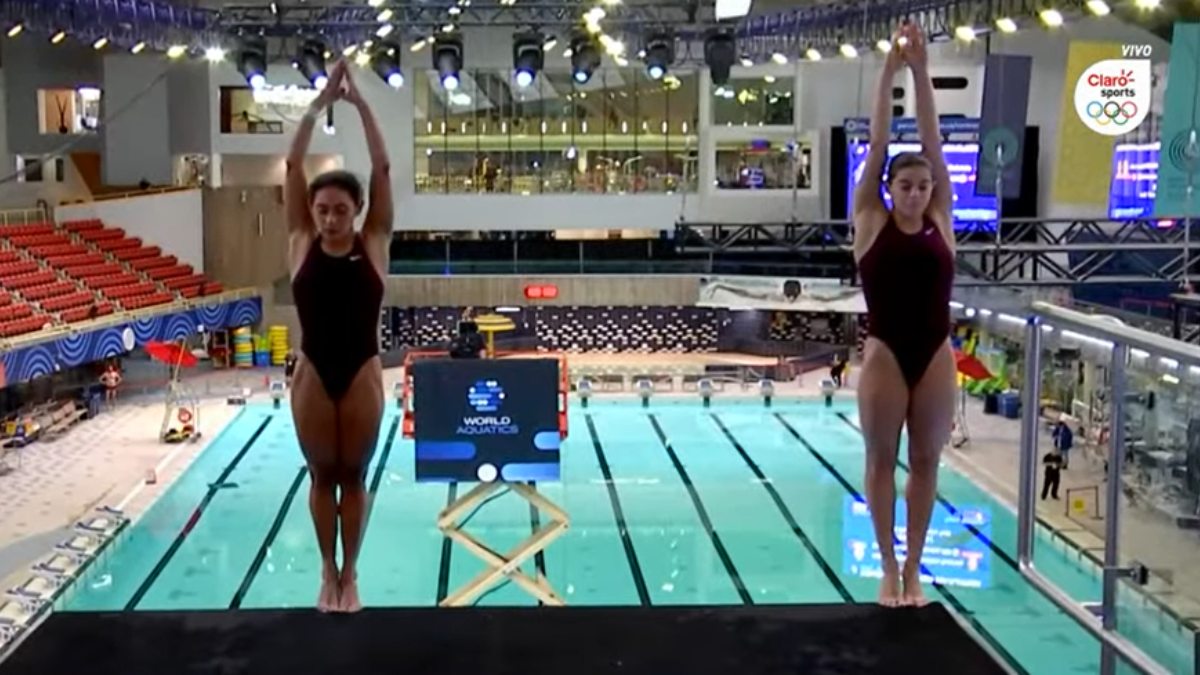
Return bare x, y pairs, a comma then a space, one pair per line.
786, 26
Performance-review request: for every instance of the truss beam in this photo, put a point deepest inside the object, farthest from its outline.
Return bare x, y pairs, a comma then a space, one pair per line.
1025, 253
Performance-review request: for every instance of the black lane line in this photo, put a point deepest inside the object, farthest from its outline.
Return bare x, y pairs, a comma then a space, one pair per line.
787, 514
380, 467
726, 560
280, 516
213, 488
383, 460
946, 593
999, 552
443, 583
619, 515
539, 558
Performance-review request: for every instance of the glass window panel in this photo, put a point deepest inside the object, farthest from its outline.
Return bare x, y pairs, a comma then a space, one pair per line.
683, 140
755, 101
653, 166
429, 138
764, 164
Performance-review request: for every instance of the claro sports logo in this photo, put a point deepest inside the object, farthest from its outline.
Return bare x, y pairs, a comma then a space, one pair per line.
1113, 97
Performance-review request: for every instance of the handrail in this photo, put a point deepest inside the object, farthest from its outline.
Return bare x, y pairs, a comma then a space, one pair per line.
1117, 333
1112, 643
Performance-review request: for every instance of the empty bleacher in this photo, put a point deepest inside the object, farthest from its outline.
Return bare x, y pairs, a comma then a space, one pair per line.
82, 270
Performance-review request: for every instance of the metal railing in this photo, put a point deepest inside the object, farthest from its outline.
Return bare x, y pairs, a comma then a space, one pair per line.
1123, 339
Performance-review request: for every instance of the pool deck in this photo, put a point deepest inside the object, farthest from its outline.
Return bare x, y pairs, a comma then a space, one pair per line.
840, 638
105, 462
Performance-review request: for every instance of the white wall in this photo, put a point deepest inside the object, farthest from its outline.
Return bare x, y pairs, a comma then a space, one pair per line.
137, 143
18, 195
188, 103
268, 170
173, 221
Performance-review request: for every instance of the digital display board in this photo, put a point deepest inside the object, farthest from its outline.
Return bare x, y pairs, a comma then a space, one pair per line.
1134, 181
962, 160
486, 420
953, 554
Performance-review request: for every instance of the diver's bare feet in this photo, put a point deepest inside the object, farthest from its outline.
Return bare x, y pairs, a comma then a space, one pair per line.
349, 601
914, 595
328, 598
889, 586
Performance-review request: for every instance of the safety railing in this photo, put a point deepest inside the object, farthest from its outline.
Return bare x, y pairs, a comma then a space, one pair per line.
1122, 339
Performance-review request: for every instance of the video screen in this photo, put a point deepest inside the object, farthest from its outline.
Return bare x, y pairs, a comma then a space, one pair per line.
486, 420
962, 160
953, 554
1134, 181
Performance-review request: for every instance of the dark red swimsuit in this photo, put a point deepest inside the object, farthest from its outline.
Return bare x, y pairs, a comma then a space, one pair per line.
907, 280
338, 300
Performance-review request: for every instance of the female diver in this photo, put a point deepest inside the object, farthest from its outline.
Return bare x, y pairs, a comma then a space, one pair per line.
337, 281
905, 257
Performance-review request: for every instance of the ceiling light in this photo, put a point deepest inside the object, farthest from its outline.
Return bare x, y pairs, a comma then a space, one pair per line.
1051, 17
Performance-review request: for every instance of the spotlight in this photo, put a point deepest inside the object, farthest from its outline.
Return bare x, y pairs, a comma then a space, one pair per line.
1148, 4
660, 53
100, 43
385, 30
813, 54
176, 51
252, 61
720, 50
1006, 25
747, 62
848, 50
386, 63
965, 33
1051, 17
58, 37
448, 59
311, 61
137, 48
528, 57
1099, 7
215, 54
884, 45
779, 58
15, 30
585, 58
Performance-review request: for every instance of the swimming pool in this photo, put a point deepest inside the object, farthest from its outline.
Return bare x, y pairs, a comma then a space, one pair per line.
674, 504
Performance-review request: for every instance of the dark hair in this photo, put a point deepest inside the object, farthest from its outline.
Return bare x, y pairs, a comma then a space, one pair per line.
906, 160
340, 180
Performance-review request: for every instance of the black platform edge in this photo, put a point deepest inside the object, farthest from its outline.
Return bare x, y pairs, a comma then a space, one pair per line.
841, 638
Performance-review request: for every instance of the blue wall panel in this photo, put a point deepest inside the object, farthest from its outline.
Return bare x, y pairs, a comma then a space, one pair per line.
27, 363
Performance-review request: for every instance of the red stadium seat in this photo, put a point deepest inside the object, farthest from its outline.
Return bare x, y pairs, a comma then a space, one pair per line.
91, 310
113, 245
139, 254
151, 263
103, 234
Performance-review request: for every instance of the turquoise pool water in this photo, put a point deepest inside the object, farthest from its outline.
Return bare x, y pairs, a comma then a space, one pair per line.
674, 504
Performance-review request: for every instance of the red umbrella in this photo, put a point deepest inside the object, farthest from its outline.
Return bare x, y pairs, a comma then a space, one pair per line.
971, 367
171, 353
